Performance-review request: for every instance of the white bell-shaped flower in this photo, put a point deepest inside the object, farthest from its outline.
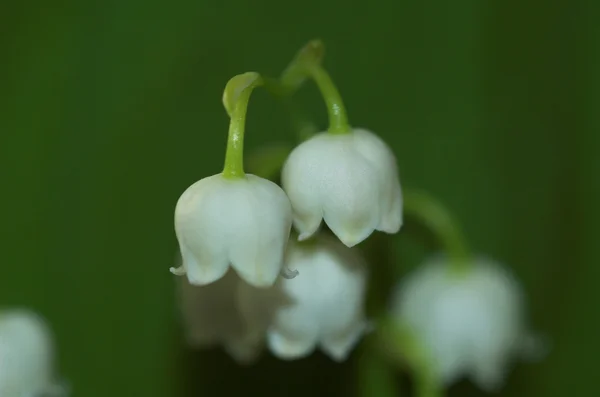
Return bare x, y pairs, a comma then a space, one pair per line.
471, 324
323, 306
26, 356
211, 317
232, 217
244, 222
349, 180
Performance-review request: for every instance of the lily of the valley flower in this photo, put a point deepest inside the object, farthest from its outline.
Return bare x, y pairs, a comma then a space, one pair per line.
232, 217
211, 317
26, 356
245, 222
347, 177
471, 324
323, 306
349, 180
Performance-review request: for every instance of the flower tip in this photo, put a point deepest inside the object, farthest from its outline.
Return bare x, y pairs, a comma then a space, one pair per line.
258, 282
178, 271
351, 239
236, 85
289, 274
391, 227
304, 236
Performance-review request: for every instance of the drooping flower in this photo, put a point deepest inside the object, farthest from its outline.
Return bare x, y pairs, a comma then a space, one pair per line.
243, 222
232, 217
349, 180
471, 323
26, 356
322, 307
211, 317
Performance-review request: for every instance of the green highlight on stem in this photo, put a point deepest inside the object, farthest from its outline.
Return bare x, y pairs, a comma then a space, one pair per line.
445, 228
235, 99
401, 345
375, 376
307, 63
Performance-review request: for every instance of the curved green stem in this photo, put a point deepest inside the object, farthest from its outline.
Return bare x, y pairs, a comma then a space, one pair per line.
445, 228
375, 377
307, 63
235, 99
404, 347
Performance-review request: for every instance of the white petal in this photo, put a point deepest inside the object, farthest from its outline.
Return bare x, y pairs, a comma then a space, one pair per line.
202, 221
326, 301
380, 156
489, 374
391, 215
266, 312
350, 206
339, 346
287, 347
301, 184
350, 193
261, 231
26, 354
244, 352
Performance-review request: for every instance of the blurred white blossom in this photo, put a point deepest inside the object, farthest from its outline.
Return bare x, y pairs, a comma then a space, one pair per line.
349, 180
471, 324
323, 306
26, 356
211, 317
244, 222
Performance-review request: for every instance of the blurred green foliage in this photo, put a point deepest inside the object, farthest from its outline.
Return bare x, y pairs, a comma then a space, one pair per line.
109, 110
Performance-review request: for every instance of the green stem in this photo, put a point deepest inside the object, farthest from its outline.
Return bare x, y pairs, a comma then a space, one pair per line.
376, 377
235, 99
338, 118
445, 228
404, 347
307, 63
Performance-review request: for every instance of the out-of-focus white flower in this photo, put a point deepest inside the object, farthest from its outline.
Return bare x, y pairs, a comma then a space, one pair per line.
349, 180
470, 324
211, 317
26, 356
323, 306
244, 222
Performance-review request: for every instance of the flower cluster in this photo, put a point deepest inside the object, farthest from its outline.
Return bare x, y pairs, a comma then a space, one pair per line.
262, 270
234, 232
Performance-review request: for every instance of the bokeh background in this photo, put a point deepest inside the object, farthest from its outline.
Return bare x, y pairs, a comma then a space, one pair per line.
109, 110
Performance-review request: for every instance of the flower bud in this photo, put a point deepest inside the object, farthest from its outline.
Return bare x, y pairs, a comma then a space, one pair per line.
349, 180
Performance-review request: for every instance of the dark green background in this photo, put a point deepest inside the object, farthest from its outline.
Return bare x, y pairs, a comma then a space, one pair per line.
109, 110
